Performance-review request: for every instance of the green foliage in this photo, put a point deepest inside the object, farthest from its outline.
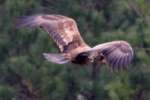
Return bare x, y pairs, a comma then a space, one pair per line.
119, 89
6, 92
25, 75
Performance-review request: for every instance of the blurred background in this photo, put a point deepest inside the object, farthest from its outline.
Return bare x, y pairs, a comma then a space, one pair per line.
25, 75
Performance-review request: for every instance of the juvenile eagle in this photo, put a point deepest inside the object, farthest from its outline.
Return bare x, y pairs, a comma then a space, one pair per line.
63, 30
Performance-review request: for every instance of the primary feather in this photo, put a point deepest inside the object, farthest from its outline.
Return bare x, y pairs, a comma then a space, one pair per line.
118, 54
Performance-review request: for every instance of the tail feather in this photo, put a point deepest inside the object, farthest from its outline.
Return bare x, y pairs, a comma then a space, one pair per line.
57, 58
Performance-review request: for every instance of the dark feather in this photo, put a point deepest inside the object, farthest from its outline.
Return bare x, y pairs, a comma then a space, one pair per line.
118, 54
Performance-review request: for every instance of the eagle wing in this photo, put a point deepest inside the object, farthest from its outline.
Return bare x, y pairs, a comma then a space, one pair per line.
63, 30
118, 54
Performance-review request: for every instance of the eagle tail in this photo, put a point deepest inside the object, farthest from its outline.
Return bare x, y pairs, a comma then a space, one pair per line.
58, 58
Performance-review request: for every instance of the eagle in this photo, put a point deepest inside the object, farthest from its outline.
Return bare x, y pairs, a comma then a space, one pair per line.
64, 32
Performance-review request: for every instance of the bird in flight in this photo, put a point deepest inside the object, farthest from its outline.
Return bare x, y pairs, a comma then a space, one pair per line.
64, 32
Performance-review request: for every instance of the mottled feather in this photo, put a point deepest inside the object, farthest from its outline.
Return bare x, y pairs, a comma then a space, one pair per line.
63, 30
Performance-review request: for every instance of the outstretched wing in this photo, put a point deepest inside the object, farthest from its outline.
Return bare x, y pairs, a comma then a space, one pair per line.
63, 30
118, 54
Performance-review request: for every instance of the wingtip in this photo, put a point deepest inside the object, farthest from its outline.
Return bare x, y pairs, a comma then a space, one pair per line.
26, 21
19, 22
45, 55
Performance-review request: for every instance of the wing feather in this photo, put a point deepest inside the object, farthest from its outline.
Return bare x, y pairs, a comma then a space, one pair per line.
118, 54
63, 30
117, 62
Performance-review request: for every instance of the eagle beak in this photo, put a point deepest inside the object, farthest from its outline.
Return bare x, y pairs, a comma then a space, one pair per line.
93, 56
91, 59
102, 59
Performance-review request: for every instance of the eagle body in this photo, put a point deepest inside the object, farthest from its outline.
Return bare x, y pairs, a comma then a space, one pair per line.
64, 32
81, 58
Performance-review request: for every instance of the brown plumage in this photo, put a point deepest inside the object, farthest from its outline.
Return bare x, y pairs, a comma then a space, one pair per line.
63, 30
